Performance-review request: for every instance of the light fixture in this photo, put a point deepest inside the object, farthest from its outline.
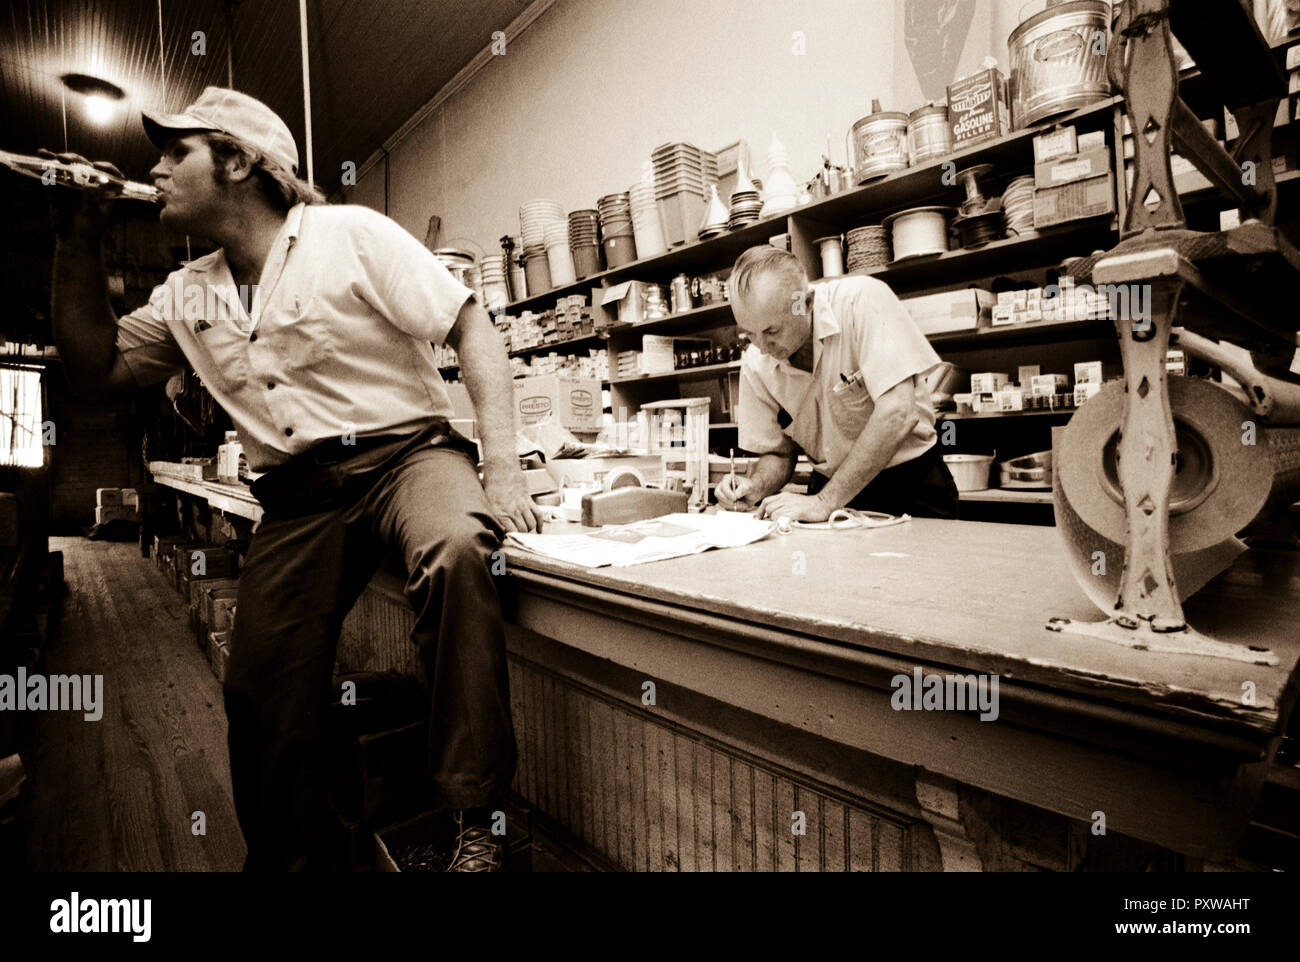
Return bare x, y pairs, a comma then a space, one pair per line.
101, 96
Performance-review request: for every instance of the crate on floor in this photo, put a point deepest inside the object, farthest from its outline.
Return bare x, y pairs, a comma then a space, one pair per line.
163, 545
199, 558
200, 607
219, 653
220, 609
190, 584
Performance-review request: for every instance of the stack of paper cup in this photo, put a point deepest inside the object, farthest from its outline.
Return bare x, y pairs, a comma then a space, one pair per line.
647, 228
558, 254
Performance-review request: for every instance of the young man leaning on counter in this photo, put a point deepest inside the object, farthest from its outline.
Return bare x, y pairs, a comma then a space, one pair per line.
328, 374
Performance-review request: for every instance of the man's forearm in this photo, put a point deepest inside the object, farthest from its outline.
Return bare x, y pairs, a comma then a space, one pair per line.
83, 322
770, 475
486, 370
870, 454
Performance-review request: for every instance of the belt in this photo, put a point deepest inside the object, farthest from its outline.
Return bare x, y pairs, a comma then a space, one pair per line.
337, 450
314, 478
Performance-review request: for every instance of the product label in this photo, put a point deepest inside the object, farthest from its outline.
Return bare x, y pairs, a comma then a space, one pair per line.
534, 406
1058, 46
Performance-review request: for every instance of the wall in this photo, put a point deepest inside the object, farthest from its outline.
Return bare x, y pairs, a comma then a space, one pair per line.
590, 89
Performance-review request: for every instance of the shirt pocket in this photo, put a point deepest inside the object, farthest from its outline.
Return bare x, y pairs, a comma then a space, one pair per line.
851, 407
300, 334
221, 364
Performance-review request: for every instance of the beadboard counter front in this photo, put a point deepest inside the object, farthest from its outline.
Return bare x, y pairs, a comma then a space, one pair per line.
701, 712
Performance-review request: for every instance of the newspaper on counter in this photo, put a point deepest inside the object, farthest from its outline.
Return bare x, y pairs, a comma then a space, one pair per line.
671, 536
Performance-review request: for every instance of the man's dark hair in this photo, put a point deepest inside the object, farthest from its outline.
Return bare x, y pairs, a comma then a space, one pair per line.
281, 188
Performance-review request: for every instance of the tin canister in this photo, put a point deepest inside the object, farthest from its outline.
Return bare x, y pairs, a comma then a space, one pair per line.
928, 133
680, 294
878, 143
1058, 59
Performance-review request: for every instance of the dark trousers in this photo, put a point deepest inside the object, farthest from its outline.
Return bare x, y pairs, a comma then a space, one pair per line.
324, 530
922, 487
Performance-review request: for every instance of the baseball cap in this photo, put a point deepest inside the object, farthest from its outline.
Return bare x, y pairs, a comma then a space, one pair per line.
219, 110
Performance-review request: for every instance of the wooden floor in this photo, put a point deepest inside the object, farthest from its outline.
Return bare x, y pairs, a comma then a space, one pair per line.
119, 794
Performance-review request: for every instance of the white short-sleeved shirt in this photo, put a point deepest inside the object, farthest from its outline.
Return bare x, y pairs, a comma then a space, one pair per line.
336, 340
859, 325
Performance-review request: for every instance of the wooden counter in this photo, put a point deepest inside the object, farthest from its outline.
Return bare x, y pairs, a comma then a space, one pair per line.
795, 641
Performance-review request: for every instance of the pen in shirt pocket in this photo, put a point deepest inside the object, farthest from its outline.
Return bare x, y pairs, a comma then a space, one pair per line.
848, 382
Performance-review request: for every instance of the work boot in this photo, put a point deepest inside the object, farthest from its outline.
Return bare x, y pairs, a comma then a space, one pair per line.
476, 849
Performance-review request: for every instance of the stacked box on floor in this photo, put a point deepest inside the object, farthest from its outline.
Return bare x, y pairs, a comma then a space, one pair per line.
199, 560
200, 590
201, 564
219, 653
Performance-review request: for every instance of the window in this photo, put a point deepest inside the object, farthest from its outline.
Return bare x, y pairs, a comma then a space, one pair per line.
21, 441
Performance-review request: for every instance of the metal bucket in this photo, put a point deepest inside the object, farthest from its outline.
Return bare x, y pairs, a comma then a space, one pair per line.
461, 265
878, 144
1058, 59
928, 133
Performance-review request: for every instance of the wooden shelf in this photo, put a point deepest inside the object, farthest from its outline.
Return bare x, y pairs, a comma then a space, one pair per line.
1010, 255
913, 187
723, 426
989, 415
694, 256
692, 320
916, 186
1007, 496
1021, 334
556, 346
687, 372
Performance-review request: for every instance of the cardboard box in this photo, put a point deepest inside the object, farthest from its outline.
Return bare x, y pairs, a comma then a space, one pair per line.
1092, 139
1003, 314
1081, 199
1049, 385
1026, 373
977, 108
1055, 143
574, 402
624, 303
987, 383
1011, 399
1067, 170
951, 310
104, 515
108, 497
131, 498
1084, 391
1087, 372
659, 352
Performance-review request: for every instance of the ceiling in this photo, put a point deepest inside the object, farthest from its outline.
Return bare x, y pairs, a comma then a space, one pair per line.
374, 63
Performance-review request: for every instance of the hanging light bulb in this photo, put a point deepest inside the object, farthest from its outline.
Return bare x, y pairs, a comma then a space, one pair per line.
99, 109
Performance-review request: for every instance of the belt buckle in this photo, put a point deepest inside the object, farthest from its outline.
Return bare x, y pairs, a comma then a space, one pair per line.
326, 453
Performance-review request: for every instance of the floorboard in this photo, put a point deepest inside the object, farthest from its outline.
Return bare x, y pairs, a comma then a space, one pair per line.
120, 793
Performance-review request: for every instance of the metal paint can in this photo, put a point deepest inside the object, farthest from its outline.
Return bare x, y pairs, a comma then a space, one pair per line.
928, 133
878, 143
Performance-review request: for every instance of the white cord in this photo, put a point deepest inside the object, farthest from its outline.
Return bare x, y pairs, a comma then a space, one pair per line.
306, 86
162, 57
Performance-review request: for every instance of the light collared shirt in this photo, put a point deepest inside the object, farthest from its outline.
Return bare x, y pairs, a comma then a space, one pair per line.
859, 328
334, 341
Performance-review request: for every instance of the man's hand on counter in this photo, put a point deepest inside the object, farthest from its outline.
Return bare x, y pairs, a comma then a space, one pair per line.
796, 507
507, 493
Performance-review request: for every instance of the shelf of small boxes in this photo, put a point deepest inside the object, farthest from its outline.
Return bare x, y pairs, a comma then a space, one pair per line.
569, 324
994, 394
